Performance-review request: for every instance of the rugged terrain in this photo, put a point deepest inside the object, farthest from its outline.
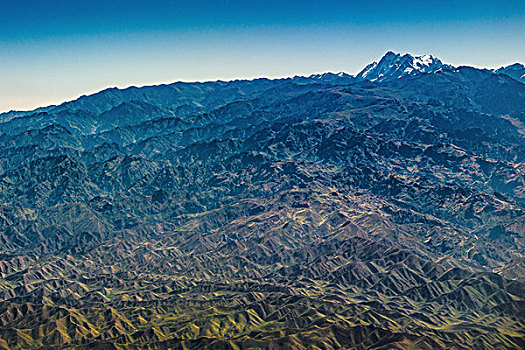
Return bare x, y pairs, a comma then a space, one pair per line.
382, 211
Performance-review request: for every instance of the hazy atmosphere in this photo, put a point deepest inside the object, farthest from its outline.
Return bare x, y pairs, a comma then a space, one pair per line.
52, 51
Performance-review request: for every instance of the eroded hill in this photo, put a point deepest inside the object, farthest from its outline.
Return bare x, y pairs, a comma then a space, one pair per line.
324, 212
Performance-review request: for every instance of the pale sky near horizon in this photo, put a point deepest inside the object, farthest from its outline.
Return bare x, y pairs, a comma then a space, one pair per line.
53, 51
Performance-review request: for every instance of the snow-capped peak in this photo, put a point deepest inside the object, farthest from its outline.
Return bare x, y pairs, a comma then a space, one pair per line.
394, 66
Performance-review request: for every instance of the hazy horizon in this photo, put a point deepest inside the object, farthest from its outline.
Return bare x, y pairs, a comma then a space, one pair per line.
51, 53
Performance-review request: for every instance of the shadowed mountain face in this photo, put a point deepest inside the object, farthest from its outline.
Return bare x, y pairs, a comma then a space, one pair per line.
319, 212
516, 71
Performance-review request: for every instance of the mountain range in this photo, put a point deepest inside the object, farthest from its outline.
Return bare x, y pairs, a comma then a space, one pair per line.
384, 210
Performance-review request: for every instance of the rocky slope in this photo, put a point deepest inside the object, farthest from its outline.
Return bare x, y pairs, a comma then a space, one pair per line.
312, 212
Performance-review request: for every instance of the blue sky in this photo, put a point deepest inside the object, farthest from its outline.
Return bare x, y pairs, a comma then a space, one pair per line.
52, 51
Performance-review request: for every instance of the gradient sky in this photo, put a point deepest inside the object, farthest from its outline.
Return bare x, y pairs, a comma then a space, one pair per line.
52, 51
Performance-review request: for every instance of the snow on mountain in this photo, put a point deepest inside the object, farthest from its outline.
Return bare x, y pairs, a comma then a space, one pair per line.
330, 76
325, 78
394, 66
